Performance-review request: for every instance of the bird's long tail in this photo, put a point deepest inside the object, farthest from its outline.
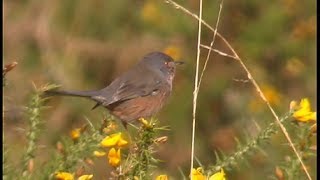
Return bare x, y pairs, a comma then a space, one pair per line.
70, 93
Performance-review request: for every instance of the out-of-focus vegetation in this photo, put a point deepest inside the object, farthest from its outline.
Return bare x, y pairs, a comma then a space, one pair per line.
84, 45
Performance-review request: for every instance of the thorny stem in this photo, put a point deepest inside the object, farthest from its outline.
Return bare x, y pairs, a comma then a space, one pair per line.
253, 81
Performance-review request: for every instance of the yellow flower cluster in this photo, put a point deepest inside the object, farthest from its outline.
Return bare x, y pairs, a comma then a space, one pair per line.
302, 112
115, 141
197, 174
218, 176
75, 133
162, 177
99, 153
114, 157
69, 176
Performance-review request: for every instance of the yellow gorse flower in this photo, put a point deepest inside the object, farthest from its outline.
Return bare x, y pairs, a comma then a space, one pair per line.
75, 133
64, 176
99, 153
114, 140
196, 174
218, 176
85, 177
303, 112
162, 177
122, 142
114, 157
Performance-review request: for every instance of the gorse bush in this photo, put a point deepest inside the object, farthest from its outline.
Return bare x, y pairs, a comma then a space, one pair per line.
134, 158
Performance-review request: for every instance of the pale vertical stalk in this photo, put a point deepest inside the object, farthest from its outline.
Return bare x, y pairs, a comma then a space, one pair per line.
195, 92
211, 45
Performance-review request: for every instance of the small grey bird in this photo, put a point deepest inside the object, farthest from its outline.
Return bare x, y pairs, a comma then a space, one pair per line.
138, 93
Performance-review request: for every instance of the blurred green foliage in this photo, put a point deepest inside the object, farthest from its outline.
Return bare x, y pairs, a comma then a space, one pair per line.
83, 45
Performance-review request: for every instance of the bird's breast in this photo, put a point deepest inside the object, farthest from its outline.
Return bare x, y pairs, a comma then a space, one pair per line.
141, 107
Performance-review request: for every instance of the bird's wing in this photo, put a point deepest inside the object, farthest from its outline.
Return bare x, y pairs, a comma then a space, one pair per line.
128, 87
131, 90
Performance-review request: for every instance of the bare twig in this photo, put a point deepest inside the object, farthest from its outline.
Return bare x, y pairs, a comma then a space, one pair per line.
219, 52
211, 44
250, 77
177, 6
195, 92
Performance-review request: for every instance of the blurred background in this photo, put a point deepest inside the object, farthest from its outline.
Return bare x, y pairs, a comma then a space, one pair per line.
84, 45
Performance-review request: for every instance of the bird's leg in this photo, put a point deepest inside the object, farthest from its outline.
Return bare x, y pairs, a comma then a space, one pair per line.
125, 124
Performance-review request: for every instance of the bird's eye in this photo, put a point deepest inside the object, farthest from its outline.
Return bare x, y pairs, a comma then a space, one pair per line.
166, 63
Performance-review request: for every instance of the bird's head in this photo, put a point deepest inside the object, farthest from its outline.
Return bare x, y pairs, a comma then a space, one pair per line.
161, 63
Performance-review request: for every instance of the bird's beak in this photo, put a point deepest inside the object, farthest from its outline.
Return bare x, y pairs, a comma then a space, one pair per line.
179, 62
